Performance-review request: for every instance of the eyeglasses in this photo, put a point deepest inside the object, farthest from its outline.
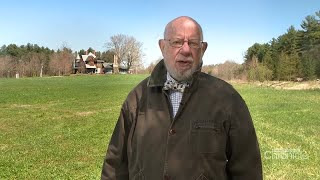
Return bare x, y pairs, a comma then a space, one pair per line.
178, 43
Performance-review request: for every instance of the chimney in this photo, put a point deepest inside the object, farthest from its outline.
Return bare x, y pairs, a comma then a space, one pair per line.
86, 52
94, 52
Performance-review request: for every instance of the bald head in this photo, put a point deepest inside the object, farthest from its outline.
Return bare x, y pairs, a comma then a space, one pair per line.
178, 22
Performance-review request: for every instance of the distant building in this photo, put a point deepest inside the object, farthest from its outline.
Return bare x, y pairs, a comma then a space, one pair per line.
89, 63
108, 68
118, 68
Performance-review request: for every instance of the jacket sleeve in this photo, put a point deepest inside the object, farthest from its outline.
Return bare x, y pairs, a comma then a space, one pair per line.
115, 165
244, 159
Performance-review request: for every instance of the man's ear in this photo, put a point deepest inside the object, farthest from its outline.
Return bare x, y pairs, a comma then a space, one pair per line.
161, 44
204, 47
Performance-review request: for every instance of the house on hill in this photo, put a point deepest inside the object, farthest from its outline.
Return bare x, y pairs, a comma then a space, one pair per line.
89, 63
93, 65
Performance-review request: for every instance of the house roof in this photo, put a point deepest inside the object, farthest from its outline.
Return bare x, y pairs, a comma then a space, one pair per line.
85, 57
107, 65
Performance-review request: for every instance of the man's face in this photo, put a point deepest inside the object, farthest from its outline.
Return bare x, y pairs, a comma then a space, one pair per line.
182, 62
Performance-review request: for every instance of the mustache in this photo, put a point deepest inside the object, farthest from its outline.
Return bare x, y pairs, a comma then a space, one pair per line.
185, 59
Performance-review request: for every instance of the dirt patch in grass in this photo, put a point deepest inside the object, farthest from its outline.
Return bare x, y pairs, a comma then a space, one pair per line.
21, 105
84, 113
293, 85
289, 85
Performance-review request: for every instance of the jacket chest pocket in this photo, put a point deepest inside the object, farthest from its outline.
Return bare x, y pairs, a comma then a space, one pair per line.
207, 137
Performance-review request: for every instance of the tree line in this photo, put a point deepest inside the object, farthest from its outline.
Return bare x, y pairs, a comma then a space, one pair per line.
31, 60
293, 55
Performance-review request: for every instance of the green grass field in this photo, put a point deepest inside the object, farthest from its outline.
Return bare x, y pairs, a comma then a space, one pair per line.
59, 127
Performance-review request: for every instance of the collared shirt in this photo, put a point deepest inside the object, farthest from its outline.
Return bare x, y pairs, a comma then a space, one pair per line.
175, 97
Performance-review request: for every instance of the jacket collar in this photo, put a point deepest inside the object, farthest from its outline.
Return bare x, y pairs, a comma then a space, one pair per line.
158, 76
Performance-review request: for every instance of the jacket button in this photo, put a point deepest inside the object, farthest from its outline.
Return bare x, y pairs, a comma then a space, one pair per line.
172, 131
166, 177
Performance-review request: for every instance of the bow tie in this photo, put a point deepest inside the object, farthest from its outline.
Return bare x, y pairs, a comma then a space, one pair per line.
172, 85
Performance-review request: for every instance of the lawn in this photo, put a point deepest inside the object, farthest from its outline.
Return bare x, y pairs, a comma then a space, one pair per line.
59, 127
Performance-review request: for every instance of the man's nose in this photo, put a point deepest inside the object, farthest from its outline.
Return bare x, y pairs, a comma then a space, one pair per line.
185, 49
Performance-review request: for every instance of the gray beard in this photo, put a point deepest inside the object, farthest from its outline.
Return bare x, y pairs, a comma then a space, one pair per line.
183, 75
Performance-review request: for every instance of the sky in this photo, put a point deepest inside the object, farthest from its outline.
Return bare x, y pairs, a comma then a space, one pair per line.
230, 27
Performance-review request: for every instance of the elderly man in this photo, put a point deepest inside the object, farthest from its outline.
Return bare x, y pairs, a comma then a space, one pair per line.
183, 124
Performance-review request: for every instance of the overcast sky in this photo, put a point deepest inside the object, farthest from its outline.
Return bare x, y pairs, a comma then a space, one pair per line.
230, 27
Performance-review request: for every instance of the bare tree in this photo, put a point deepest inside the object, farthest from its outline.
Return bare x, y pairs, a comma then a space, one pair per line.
34, 65
66, 61
117, 45
127, 49
61, 61
54, 64
5, 66
134, 53
228, 70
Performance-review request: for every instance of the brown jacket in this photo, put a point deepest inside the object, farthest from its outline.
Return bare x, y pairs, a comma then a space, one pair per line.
211, 137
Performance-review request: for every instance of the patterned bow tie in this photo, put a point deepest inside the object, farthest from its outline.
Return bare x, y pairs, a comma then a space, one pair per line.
172, 85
